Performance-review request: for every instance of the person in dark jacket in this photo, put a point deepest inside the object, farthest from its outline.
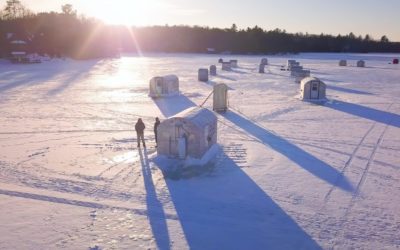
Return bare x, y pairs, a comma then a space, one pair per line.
139, 127
156, 124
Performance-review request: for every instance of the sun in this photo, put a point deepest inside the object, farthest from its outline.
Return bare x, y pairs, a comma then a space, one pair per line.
127, 12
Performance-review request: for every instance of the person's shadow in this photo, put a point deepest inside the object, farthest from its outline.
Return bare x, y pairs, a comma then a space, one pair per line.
155, 210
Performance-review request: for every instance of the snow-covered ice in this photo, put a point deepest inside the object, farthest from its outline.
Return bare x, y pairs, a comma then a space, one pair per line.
288, 175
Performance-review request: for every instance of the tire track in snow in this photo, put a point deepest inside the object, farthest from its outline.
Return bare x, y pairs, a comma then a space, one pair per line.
348, 163
350, 160
356, 194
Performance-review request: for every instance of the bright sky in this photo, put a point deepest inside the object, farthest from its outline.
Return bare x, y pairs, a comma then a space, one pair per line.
374, 17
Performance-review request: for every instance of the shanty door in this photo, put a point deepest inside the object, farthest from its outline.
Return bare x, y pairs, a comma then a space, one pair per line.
178, 143
174, 141
159, 86
314, 90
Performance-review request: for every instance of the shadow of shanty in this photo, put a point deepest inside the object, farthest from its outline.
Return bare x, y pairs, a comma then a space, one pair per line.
230, 211
347, 90
172, 105
225, 77
372, 114
302, 158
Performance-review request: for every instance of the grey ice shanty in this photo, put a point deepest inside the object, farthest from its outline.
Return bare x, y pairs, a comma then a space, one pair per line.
226, 66
220, 97
189, 133
203, 75
361, 64
164, 86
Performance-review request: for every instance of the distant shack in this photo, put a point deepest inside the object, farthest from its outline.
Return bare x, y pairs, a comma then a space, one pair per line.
164, 86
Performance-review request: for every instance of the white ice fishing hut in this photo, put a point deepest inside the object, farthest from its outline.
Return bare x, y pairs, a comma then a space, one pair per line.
220, 97
343, 63
226, 66
213, 70
312, 88
189, 133
203, 75
361, 64
164, 86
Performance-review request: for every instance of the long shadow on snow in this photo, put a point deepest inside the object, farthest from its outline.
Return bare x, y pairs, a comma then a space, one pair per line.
225, 77
305, 160
228, 210
72, 77
365, 112
346, 90
172, 105
155, 211
39, 76
239, 71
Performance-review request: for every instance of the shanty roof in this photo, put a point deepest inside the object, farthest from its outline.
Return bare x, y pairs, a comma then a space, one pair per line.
309, 79
198, 116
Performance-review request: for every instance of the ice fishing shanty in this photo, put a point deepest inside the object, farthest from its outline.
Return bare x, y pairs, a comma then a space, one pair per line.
164, 86
213, 70
190, 133
203, 75
220, 97
311, 88
361, 64
343, 63
226, 66
234, 63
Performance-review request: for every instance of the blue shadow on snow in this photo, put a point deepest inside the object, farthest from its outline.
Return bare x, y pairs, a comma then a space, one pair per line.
303, 159
346, 90
365, 112
155, 211
228, 210
172, 105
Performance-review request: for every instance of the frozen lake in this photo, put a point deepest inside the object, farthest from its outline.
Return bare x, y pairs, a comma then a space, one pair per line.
290, 174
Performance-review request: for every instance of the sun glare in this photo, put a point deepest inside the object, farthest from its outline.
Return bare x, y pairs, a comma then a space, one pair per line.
128, 12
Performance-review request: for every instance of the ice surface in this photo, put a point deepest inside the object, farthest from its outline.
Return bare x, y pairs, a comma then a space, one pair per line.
288, 174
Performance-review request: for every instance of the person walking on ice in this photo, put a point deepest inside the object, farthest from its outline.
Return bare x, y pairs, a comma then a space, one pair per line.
139, 127
155, 129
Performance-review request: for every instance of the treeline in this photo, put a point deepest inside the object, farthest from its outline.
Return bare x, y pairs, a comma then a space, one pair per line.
67, 34
250, 40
